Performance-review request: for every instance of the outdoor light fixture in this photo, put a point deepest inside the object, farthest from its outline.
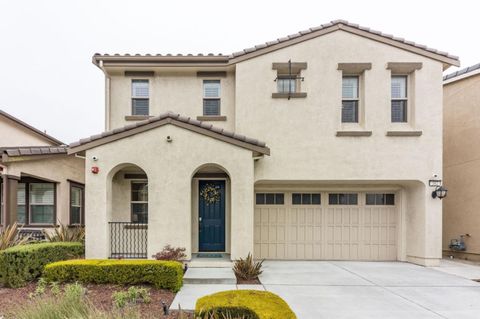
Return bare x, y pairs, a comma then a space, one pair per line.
439, 192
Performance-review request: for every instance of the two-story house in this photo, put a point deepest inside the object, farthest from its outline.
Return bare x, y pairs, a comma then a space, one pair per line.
41, 184
319, 145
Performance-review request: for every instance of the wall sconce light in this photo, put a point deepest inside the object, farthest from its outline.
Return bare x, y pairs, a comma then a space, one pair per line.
439, 192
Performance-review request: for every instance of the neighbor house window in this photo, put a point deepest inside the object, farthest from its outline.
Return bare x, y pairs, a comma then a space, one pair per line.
380, 199
305, 199
350, 99
342, 199
77, 209
140, 97
211, 97
269, 198
399, 98
42, 203
139, 202
21, 203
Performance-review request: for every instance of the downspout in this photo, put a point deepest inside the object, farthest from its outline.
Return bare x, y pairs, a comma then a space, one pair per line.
107, 95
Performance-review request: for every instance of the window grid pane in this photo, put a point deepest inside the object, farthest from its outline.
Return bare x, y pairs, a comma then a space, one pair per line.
349, 111
211, 107
140, 89
399, 111
286, 85
140, 106
399, 87
269, 198
350, 87
211, 89
139, 198
342, 199
380, 199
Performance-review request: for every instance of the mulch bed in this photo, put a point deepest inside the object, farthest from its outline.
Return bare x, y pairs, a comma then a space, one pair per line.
99, 295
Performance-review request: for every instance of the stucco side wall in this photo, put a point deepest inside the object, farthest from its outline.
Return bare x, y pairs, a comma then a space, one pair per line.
303, 135
169, 168
462, 163
12, 134
59, 169
180, 92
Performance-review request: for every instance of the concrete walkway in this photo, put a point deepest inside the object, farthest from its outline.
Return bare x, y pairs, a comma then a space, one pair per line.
335, 289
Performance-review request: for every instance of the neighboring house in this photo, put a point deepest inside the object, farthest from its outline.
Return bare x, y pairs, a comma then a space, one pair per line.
41, 184
351, 121
461, 160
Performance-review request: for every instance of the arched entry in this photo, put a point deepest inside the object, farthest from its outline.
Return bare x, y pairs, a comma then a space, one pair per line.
210, 209
128, 211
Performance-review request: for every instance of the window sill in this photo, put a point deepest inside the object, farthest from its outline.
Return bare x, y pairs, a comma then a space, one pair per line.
404, 133
137, 117
207, 118
294, 95
354, 133
39, 226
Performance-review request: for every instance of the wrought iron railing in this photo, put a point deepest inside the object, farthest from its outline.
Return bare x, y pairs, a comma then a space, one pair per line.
128, 240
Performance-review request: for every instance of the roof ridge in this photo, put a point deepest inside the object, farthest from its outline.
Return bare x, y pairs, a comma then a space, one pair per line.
176, 117
337, 22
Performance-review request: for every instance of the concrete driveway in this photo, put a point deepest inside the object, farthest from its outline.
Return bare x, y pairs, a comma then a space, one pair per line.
334, 289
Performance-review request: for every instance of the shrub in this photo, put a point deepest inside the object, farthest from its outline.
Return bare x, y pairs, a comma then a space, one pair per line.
9, 237
161, 274
248, 303
66, 234
21, 264
171, 253
247, 268
131, 296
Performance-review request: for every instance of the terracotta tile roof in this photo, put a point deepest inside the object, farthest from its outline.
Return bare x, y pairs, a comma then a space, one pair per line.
176, 119
299, 34
33, 150
31, 128
462, 72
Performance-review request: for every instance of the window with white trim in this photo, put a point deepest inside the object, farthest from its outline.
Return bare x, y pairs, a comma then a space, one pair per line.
399, 98
77, 210
306, 199
211, 97
350, 89
380, 199
140, 97
269, 198
139, 201
343, 199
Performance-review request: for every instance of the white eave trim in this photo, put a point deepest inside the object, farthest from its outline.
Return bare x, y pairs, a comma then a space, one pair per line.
461, 77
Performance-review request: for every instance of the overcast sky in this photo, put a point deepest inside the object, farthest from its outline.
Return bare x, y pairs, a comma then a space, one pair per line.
47, 78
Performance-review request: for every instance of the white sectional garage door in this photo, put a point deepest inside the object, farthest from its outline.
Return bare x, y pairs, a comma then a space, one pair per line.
336, 229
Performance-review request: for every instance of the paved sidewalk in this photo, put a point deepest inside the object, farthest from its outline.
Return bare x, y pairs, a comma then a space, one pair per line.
386, 290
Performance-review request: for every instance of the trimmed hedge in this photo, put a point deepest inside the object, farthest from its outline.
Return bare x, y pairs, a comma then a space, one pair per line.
21, 264
161, 274
251, 303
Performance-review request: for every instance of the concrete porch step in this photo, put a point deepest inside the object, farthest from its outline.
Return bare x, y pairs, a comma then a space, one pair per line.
209, 275
222, 262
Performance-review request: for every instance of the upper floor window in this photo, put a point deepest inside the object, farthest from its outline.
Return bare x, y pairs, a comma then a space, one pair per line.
140, 97
399, 98
286, 84
350, 99
211, 97
139, 201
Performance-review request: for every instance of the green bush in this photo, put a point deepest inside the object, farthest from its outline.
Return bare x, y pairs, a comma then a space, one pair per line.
249, 303
161, 274
21, 264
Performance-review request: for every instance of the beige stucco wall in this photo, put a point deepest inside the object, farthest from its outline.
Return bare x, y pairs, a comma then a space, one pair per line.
59, 169
180, 92
13, 134
169, 168
303, 135
462, 163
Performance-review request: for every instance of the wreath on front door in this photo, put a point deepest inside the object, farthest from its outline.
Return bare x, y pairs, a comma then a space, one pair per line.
210, 194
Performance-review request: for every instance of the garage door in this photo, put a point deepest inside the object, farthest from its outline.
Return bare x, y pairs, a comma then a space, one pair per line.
326, 225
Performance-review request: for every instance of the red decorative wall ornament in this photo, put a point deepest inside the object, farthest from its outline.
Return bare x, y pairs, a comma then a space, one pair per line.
95, 169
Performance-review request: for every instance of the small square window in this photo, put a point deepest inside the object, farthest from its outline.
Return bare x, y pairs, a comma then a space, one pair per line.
389, 199
315, 199
342, 199
296, 199
260, 199
270, 199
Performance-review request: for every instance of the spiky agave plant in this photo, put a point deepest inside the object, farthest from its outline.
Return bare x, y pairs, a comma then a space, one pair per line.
9, 237
247, 268
64, 233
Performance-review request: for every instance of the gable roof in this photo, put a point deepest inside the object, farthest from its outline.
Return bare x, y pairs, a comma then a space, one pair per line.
31, 128
462, 74
292, 39
174, 119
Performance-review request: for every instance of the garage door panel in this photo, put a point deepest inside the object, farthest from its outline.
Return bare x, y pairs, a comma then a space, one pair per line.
342, 232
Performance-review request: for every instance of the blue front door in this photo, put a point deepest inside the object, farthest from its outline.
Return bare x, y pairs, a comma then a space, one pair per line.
211, 211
